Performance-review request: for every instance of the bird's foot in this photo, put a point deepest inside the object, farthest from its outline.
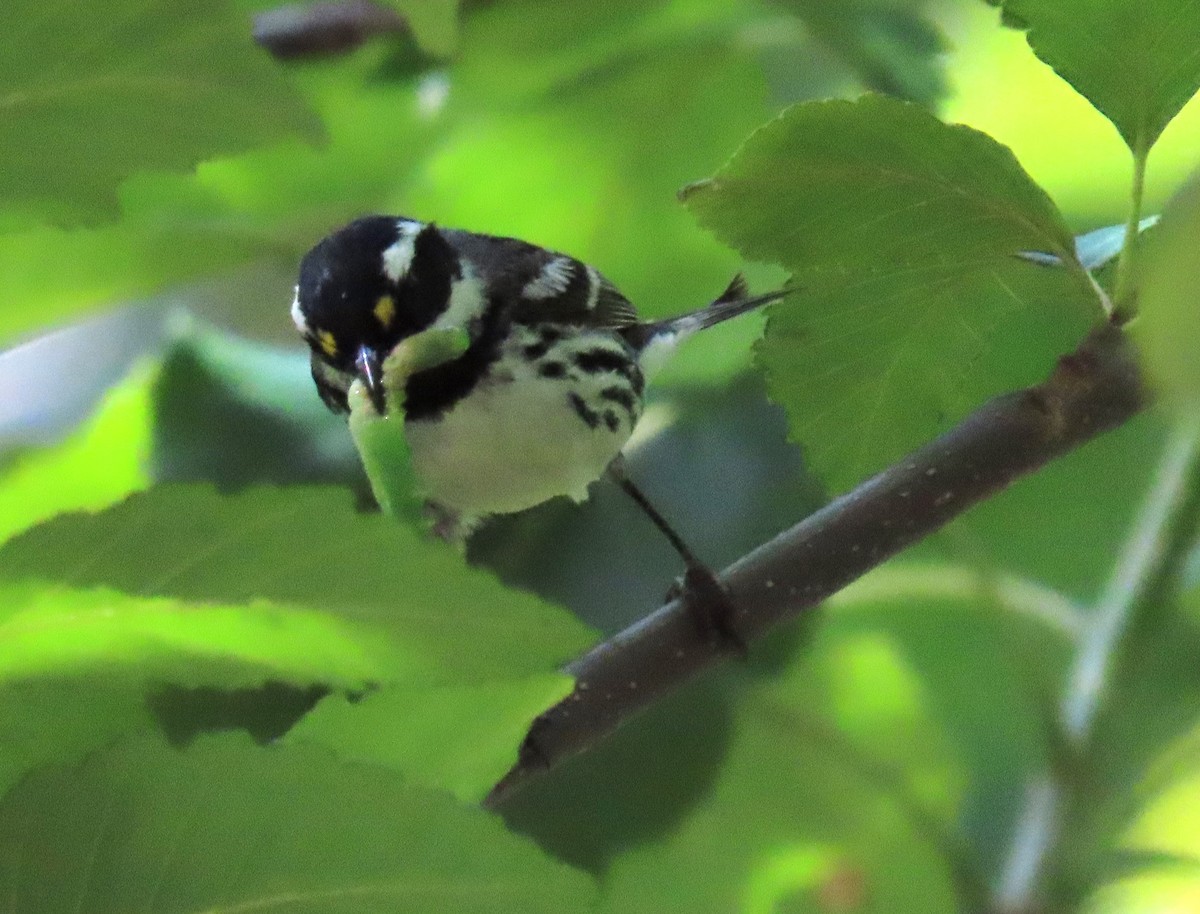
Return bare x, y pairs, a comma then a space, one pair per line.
448, 525
707, 603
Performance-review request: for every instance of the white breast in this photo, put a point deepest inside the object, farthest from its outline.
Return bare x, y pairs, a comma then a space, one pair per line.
516, 440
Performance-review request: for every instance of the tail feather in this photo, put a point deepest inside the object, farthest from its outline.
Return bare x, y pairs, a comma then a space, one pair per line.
733, 301
737, 288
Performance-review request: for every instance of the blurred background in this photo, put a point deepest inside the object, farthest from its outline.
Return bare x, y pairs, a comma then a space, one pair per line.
574, 126
571, 127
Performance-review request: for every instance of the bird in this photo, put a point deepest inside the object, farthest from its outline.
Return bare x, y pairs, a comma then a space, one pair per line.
546, 391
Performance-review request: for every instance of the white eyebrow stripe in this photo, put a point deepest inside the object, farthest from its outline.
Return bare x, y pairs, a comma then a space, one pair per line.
334, 377
397, 259
553, 280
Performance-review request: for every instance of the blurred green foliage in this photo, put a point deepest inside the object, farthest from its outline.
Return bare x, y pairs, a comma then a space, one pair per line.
202, 555
188, 823
95, 93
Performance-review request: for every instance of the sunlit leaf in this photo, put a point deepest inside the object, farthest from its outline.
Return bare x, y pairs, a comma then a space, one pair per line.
58, 631
100, 463
228, 826
902, 234
1135, 61
460, 738
1166, 889
848, 783
304, 547
94, 92
1168, 329
1164, 836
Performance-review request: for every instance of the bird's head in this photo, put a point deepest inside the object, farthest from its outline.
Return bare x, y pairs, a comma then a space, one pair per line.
363, 290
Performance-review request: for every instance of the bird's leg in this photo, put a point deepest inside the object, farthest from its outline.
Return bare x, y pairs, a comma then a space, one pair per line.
705, 598
448, 525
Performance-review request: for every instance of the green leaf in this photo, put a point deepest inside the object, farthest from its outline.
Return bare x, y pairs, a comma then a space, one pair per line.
902, 234
100, 463
57, 632
228, 827
94, 93
1135, 60
890, 46
968, 191
305, 547
1133, 821
1153, 702
180, 587
234, 412
1168, 888
848, 785
1095, 489
460, 738
434, 23
958, 627
1167, 823
1162, 838
273, 202
1168, 327
60, 720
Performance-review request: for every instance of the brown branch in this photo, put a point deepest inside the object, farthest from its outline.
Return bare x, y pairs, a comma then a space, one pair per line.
1092, 390
323, 29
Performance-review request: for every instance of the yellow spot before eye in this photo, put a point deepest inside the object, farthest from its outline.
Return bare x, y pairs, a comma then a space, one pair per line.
327, 343
385, 311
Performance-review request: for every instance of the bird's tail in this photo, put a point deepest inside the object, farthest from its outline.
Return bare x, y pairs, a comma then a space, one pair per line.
735, 300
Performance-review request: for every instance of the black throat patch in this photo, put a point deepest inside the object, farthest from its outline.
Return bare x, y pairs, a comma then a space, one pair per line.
431, 393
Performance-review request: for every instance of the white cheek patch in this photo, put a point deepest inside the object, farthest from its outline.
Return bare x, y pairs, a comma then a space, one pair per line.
467, 301
298, 315
397, 259
332, 376
552, 281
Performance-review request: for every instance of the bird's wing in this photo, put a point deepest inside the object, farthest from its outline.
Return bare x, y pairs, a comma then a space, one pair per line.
541, 285
567, 291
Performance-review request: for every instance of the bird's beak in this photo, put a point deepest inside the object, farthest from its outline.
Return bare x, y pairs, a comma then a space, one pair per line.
370, 369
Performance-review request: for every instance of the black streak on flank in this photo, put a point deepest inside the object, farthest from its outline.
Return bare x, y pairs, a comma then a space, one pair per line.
552, 370
547, 337
589, 416
594, 361
598, 361
611, 420
622, 395
535, 351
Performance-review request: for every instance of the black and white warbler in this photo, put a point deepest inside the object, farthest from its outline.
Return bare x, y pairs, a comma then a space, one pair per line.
549, 387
